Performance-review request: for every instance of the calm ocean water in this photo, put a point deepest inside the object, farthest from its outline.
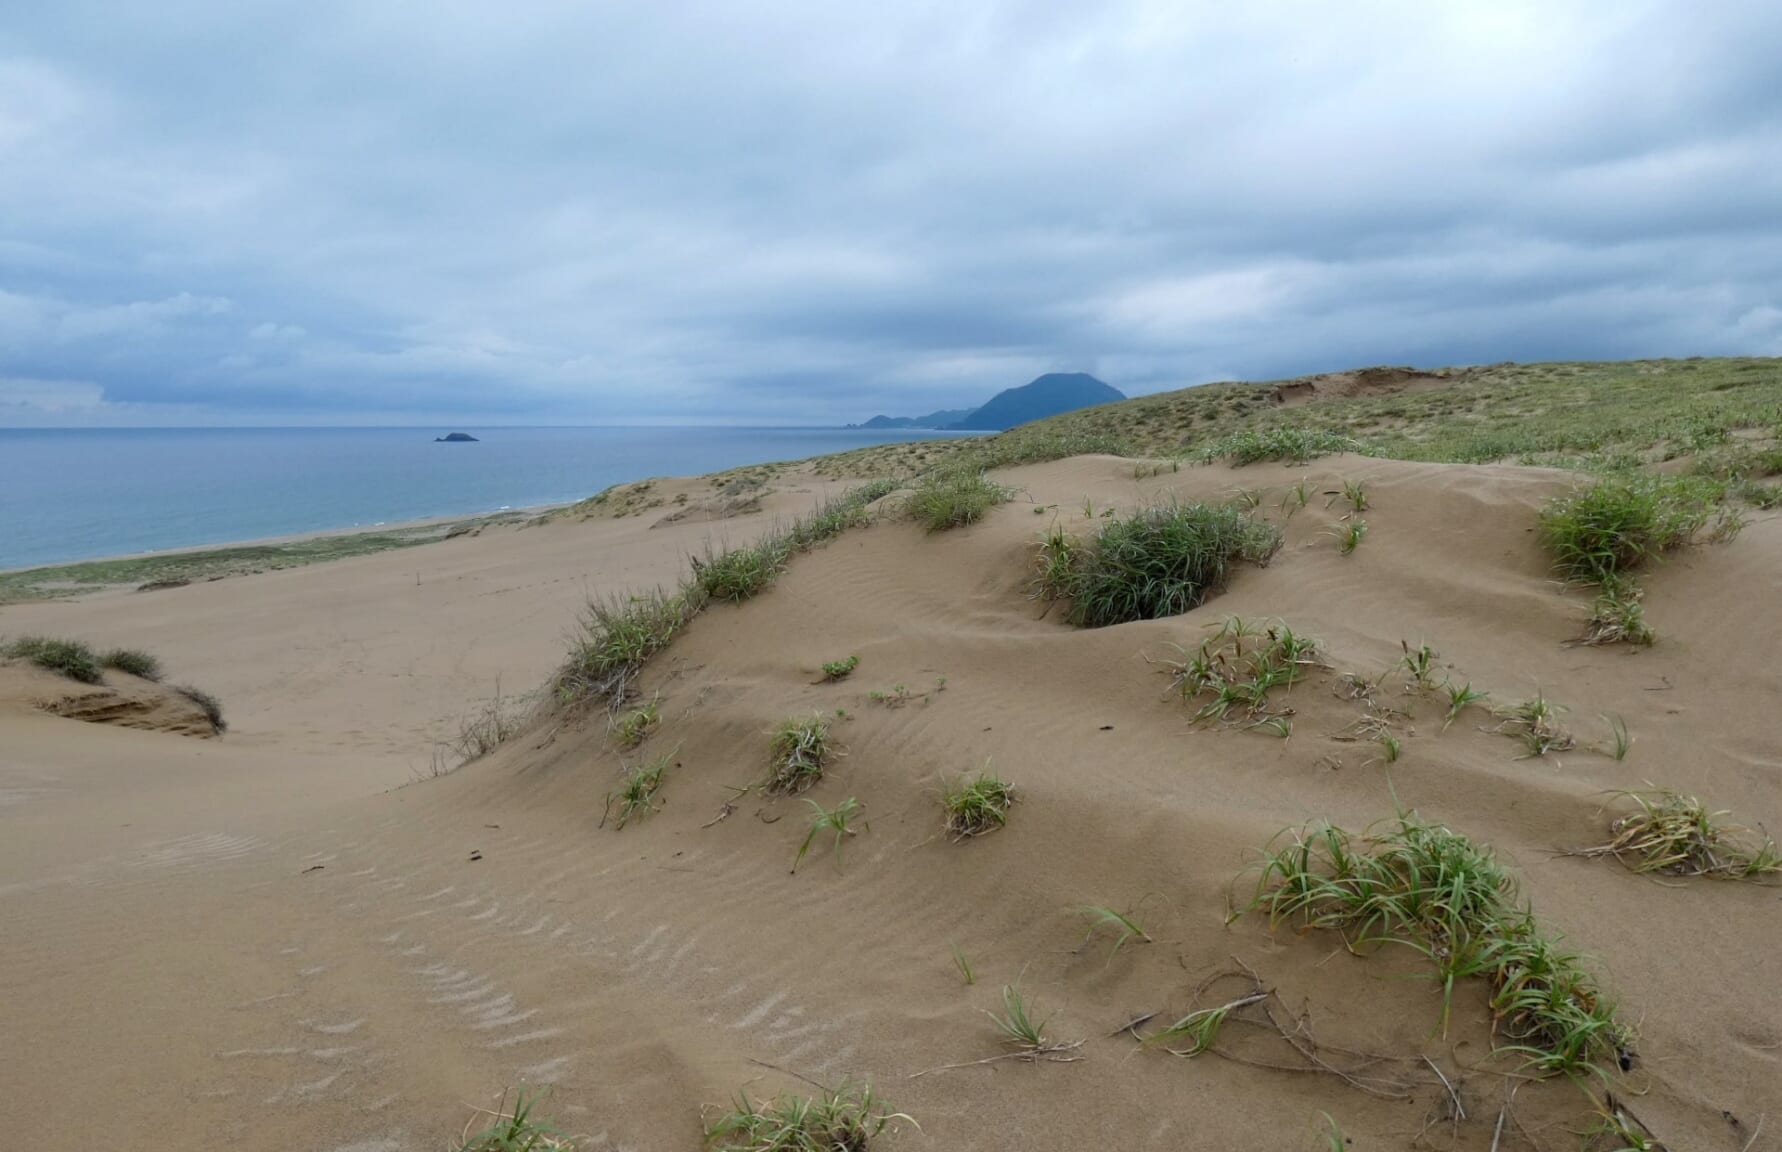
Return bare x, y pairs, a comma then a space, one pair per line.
77, 494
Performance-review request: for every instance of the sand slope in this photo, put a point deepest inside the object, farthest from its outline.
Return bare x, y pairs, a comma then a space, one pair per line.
184, 968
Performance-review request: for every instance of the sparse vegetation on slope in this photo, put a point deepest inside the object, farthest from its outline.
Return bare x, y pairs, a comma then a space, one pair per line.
1238, 666
844, 1119
1160, 561
1425, 886
517, 1131
133, 661
208, 704
976, 804
797, 754
68, 658
953, 498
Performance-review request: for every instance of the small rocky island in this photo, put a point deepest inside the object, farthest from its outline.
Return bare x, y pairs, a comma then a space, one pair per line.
455, 438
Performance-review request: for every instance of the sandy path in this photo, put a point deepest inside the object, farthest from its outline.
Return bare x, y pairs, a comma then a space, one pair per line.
196, 976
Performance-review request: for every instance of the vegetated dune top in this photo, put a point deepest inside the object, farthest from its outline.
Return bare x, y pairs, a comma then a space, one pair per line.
369, 963
124, 700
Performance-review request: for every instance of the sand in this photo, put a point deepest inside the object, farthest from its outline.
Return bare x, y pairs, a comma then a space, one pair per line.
291, 937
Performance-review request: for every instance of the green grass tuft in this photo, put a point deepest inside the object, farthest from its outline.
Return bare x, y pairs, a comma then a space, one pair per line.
1432, 889
1291, 443
617, 636
838, 820
1621, 521
635, 797
517, 1131
953, 498
844, 1119
976, 804
1125, 925
840, 669
132, 661
797, 754
631, 728
1237, 668
68, 658
1161, 561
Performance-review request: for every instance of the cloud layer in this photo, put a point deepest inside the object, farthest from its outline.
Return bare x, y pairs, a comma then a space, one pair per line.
369, 211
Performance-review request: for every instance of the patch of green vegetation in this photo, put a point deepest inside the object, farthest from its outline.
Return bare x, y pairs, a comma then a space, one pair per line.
173, 569
1160, 561
1125, 925
1432, 889
953, 498
1291, 443
834, 670
68, 658
630, 728
1616, 616
1676, 835
844, 1119
132, 661
1349, 533
976, 804
517, 1131
1536, 722
1238, 666
837, 820
617, 636
797, 754
1614, 525
635, 797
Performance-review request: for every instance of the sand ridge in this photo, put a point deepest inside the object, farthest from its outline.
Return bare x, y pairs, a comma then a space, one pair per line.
319, 960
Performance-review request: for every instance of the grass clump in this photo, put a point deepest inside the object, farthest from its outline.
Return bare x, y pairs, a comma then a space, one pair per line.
844, 1119
207, 704
1161, 561
1460, 698
617, 636
1430, 888
1675, 835
954, 497
1295, 444
635, 797
1616, 616
516, 1131
68, 658
837, 820
630, 729
1240, 665
797, 754
133, 661
1349, 535
1619, 522
834, 670
1536, 722
976, 804
739, 574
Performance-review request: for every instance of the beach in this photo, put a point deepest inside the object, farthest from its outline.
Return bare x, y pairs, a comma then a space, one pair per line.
298, 935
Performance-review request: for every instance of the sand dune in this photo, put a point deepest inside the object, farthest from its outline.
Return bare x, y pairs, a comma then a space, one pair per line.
258, 942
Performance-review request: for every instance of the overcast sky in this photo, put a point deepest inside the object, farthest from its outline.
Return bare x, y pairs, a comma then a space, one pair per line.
364, 211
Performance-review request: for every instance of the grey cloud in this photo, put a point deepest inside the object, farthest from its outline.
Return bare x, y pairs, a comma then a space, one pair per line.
791, 211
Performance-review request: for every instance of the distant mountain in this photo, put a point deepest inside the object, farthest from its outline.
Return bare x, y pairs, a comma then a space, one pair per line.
1049, 395
945, 418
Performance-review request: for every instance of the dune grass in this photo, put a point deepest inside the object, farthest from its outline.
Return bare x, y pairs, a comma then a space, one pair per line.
208, 704
1427, 887
976, 804
1292, 443
838, 820
1536, 722
1237, 668
518, 1131
132, 661
629, 729
1675, 835
69, 658
843, 1119
1160, 561
1349, 532
954, 497
798, 751
635, 797
834, 670
1614, 525
1125, 925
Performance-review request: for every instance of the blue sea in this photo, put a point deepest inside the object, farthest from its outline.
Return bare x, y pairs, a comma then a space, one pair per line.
80, 494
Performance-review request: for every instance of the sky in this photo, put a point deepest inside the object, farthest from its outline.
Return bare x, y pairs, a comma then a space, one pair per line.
544, 211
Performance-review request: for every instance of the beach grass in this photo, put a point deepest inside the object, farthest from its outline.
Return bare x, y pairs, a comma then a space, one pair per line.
69, 658
842, 1119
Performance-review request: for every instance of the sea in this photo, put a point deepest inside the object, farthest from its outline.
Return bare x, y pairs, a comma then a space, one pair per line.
81, 494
